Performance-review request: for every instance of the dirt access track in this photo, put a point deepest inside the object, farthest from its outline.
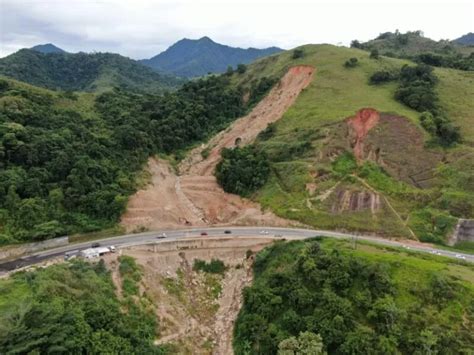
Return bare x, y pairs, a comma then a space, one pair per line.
193, 197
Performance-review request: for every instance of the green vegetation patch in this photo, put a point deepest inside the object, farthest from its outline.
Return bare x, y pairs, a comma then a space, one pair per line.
131, 274
370, 300
215, 266
242, 170
72, 308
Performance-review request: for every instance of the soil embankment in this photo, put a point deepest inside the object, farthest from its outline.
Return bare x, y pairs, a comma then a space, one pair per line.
194, 198
359, 127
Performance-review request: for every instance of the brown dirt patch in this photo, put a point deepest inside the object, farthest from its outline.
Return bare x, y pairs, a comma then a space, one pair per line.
269, 110
391, 141
196, 311
194, 198
348, 200
359, 127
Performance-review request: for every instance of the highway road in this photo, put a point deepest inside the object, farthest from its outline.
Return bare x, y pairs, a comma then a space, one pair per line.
236, 232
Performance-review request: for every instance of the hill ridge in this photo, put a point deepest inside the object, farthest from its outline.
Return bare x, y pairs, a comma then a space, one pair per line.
197, 57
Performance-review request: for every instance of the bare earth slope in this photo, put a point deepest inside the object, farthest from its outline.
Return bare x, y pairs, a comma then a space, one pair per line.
196, 311
194, 198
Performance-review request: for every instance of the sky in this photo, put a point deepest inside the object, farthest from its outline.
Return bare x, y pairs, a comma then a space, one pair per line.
143, 28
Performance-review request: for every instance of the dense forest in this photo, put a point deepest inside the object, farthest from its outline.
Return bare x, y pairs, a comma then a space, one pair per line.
72, 308
308, 295
242, 170
84, 72
65, 170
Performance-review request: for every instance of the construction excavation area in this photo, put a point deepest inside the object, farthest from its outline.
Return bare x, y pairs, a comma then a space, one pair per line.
191, 196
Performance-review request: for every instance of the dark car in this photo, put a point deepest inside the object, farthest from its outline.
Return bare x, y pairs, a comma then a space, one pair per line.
95, 245
203, 233
227, 232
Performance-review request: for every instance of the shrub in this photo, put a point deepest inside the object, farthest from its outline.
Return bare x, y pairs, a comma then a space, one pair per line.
382, 76
345, 164
241, 68
374, 54
298, 53
356, 44
215, 266
351, 62
268, 132
427, 122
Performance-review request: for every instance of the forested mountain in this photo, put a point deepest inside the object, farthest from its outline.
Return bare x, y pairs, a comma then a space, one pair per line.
47, 48
192, 58
69, 161
466, 40
84, 72
415, 46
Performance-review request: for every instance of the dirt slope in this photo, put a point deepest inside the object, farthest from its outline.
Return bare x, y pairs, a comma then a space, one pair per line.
161, 204
246, 129
194, 198
196, 311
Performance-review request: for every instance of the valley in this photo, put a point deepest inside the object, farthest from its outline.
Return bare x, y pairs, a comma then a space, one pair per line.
220, 200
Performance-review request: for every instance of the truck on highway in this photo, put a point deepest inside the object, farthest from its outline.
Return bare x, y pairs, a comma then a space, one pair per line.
92, 253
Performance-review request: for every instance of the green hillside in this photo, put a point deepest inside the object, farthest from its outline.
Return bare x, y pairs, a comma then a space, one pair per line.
73, 308
371, 300
69, 161
310, 173
413, 45
95, 72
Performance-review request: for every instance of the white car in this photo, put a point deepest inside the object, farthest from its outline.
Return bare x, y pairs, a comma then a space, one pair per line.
263, 232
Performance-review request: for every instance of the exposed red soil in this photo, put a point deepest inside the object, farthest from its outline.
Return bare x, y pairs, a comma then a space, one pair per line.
194, 198
360, 125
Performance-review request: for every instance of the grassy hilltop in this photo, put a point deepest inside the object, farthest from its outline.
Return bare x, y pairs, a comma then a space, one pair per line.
306, 147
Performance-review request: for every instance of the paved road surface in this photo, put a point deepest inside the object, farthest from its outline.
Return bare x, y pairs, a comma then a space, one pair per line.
236, 232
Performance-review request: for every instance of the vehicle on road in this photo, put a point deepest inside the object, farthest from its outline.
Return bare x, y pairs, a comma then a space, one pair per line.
264, 232
95, 245
70, 254
93, 253
203, 233
161, 236
227, 232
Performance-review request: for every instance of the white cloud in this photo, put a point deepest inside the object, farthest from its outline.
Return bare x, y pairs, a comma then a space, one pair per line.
142, 28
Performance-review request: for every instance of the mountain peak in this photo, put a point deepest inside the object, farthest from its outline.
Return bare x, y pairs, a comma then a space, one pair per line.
205, 39
467, 39
196, 57
47, 48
